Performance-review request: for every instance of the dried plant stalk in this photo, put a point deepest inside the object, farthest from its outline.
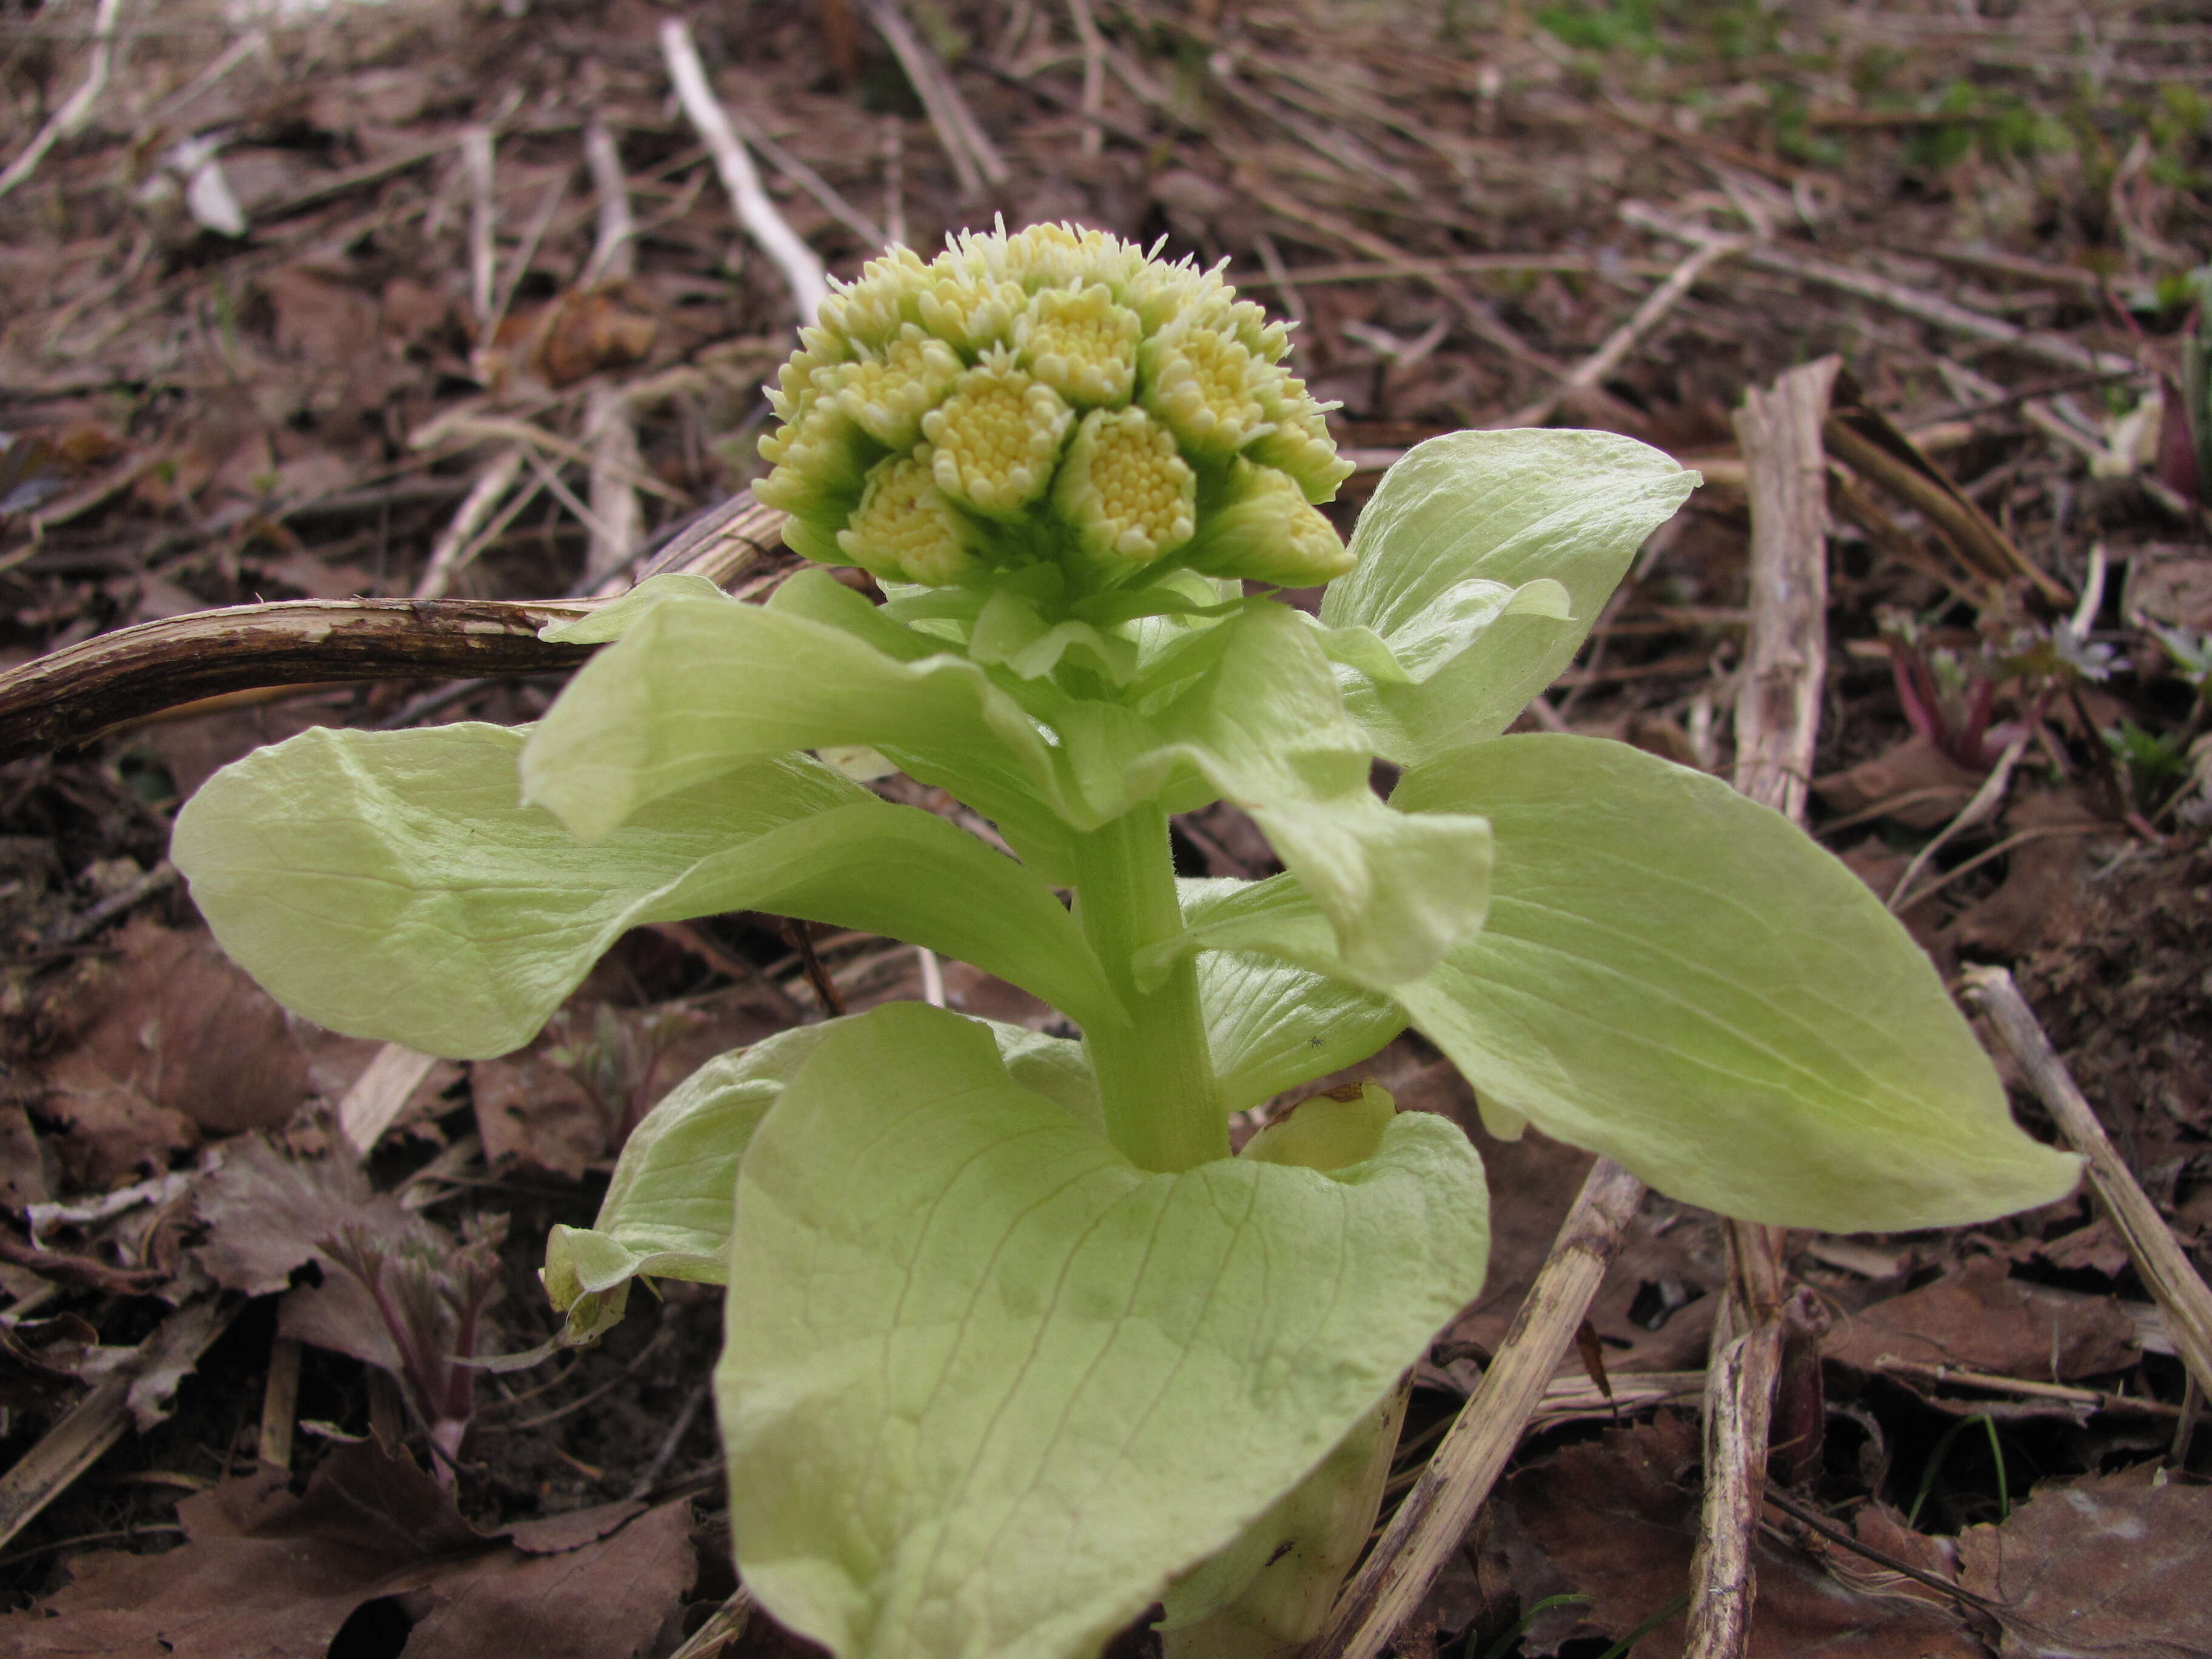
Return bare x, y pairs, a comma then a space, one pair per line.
2174, 1284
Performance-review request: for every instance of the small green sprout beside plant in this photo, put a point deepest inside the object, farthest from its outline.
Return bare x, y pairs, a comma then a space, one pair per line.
1014, 1346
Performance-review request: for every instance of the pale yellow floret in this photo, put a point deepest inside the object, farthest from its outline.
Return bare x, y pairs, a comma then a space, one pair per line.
795, 390
1162, 294
1269, 533
971, 313
1081, 344
1262, 336
905, 529
1300, 444
887, 296
1204, 384
996, 440
1124, 489
887, 393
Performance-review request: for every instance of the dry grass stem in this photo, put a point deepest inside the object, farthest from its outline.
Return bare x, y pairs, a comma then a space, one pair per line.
2174, 1281
71, 117
1595, 368
1778, 715
801, 266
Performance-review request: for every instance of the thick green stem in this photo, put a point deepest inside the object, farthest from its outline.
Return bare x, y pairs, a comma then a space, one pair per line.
1155, 1077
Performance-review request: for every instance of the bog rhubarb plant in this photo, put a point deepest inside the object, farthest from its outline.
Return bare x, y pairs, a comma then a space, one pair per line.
1015, 1347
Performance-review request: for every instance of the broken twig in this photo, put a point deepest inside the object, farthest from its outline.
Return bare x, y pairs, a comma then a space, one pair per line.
801, 267
2175, 1283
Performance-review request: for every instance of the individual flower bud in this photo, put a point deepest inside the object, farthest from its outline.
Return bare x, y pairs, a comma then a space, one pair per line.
996, 440
886, 393
1081, 344
971, 313
1261, 334
1267, 532
886, 298
905, 529
1124, 490
820, 462
1162, 294
795, 388
1203, 384
1300, 444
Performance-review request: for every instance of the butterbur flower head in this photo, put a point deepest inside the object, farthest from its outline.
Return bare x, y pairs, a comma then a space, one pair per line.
1052, 396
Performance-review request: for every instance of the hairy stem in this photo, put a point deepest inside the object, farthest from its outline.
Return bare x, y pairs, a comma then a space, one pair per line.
1155, 1077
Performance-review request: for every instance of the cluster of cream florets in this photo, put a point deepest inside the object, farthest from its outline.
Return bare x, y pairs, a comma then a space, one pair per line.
1054, 394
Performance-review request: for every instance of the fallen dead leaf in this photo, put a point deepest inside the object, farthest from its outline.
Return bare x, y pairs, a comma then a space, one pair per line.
23, 1168
171, 1035
2039, 903
1915, 783
277, 1576
1617, 1520
2111, 1566
266, 1213
1981, 1318
2174, 590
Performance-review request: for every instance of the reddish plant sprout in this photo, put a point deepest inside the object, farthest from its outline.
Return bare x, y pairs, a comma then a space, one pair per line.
432, 1300
615, 1064
1955, 719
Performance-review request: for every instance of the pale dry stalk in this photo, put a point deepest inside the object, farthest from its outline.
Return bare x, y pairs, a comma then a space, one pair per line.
1777, 719
801, 266
2175, 1283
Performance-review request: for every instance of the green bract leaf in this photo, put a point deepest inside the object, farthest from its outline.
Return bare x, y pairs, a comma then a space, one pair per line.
618, 617
390, 884
987, 1387
1504, 507
1680, 979
1267, 727
1461, 616
1270, 1025
697, 687
666, 1214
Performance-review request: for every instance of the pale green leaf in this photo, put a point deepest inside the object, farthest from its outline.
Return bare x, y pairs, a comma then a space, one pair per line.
618, 615
1327, 1132
1460, 616
1268, 728
1679, 978
697, 687
1504, 507
987, 1388
1268, 1594
666, 1214
390, 884
1270, 1025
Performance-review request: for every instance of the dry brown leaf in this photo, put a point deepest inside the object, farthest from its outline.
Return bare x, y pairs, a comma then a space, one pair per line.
110, 1133
2111, 1566
1915, 783
1617, 1520
266, 1213
275, 1576
2041, 900
532, 1114
1981, 1318
23, 1167
171, 1025
2174, 590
